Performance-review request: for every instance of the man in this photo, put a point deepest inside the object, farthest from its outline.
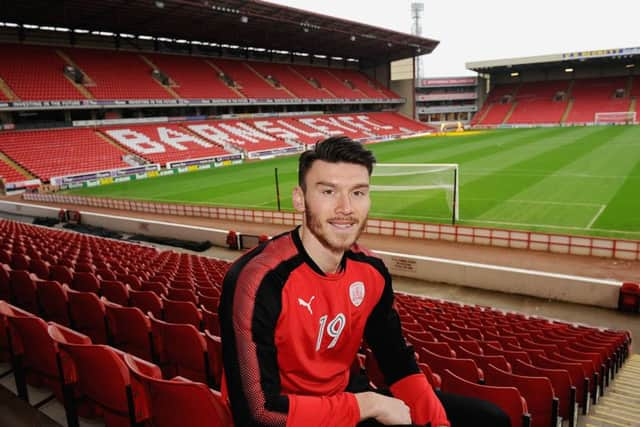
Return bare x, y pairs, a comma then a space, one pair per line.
294, 312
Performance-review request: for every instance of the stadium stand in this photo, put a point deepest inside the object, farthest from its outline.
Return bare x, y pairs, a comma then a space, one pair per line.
117, 75
597, 95
360, 83
289, 77
548, 352
50, 153
9, 173
536, 102
547, 102
36, 73
192, 77
251, 83
327, 81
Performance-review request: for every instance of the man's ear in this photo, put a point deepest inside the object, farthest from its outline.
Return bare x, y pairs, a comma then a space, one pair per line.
298, 199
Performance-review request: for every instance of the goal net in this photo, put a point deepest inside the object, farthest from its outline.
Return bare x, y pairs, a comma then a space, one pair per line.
415, 191
615, 117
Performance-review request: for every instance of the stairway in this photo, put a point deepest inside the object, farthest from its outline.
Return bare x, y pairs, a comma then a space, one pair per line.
88, 81
153, 67
620, 405
7, 91
4, 158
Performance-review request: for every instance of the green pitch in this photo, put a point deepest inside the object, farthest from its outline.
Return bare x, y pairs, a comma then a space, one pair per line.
580, 180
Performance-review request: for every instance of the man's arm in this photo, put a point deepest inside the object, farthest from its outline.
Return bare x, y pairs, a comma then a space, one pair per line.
396, 359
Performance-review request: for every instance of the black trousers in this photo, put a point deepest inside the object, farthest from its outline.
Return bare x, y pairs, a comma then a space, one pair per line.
464, 411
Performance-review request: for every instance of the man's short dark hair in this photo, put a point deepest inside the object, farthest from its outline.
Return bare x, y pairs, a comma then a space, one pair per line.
337, 149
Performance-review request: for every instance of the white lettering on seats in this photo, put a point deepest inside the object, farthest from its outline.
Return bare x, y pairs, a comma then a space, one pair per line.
350, 121
324, 129
300, 131
366, 120
138, 142
336, 123
214, 134
173, 138
268, 127
245, 131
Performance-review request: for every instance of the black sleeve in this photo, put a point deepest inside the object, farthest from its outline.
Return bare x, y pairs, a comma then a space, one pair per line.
383, 334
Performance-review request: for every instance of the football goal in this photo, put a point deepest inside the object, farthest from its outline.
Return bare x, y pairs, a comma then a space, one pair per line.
416, 191
615, 117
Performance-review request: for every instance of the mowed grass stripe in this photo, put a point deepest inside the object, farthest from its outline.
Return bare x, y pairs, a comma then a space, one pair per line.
623, 211
443, 149
552, 160
569, 204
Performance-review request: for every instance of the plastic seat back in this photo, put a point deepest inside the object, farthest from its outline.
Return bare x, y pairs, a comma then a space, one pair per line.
85, 281
180, 402
53, 301
537, 391
129, 329
180, 349
115, 291
507, 398
105, 379
23, 288
146, 301
214, 352
88, 315
181, 312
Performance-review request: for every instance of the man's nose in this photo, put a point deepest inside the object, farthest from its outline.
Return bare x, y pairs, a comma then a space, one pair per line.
344, 203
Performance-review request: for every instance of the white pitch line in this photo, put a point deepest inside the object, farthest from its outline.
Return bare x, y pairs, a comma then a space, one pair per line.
594, 219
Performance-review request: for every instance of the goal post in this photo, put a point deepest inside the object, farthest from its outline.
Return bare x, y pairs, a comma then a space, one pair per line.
615, 117
418, 190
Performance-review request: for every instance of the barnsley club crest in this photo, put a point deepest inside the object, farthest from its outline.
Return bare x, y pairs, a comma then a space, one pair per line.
356, 293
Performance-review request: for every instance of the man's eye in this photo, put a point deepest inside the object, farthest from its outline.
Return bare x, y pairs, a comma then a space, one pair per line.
327, 192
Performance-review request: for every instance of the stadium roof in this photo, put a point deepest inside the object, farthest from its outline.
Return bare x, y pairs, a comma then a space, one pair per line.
246, 23
629, 55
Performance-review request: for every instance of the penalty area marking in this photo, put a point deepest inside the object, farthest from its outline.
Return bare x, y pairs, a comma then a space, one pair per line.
597, 215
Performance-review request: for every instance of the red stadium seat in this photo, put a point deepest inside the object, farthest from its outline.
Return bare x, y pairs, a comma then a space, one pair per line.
88, 315
104, 379
180, 401
53, 301
115, 291
129, 330
146, 301
537, 391
507, 398
180, 349
23, 288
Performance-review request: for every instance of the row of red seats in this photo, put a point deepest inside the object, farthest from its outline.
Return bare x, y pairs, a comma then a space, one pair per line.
36, 73
10, 174
50, 153
572, 365
466, 349
97, 380
534, 101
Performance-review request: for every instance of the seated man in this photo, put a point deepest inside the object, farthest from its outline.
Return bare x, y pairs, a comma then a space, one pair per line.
294, 312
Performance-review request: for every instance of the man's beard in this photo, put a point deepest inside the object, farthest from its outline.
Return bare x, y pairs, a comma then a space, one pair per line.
316, 229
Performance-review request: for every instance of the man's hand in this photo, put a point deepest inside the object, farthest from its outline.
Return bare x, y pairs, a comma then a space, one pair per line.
384, 409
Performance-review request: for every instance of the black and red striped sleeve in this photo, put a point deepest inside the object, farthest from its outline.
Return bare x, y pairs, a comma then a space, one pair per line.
396, 359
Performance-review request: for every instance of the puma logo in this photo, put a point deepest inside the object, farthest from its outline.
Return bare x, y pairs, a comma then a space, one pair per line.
306, 304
